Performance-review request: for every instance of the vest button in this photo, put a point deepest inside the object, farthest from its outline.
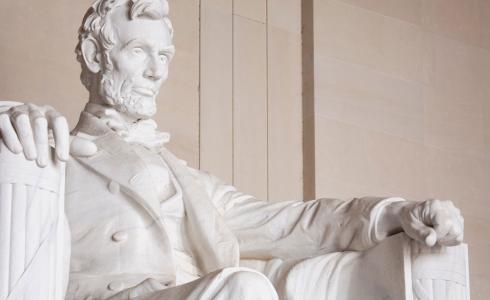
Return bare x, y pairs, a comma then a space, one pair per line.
116, 286
119, 236
114, 187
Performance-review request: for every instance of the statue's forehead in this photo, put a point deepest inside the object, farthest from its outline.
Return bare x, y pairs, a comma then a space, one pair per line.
127, 29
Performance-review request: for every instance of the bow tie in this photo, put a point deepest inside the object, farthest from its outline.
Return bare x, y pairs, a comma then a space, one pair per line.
143, 132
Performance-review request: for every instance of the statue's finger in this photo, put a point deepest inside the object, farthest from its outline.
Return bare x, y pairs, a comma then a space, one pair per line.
431, 237
61, 134
449, 241
460, 238
453, 237
40, 126
442, 223
9, 135
23, 128
18, 110
421, 232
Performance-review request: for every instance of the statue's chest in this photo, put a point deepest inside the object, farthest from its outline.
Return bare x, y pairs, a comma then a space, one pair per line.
153, 174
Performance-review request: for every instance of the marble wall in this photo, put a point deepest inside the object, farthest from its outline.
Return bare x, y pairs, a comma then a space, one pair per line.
251, 116
402, 107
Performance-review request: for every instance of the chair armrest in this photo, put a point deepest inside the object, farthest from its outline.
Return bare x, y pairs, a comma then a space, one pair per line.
34, 235
414, 271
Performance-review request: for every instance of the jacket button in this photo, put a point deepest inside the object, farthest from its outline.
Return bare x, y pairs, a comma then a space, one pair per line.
168, 283
114, 187
119, 236
116, 286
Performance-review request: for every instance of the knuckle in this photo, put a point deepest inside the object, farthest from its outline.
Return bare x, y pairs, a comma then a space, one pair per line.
16, 115
21, 109
49, 107
18, 107
25, 135
435, 201
60, 120
436, 204
40, 121
21, 117
4, 119
32, 106
447, 202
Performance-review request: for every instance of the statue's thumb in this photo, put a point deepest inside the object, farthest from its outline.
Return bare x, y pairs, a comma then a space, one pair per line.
82, 147
421, 232
431, 237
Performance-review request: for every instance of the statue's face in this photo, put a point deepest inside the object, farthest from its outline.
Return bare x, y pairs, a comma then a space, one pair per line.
140, 60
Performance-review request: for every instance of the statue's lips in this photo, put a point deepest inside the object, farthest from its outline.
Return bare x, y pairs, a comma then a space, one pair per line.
144, 91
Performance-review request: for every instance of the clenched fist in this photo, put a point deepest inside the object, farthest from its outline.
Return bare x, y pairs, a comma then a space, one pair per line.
433, 222
430, 222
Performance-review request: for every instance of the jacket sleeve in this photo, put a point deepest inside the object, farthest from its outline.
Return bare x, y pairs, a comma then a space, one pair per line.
6, 105
295, 229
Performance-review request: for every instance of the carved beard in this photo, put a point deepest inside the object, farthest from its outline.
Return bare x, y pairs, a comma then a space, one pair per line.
119, 93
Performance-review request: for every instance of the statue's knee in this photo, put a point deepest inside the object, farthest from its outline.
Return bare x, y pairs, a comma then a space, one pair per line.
252, 284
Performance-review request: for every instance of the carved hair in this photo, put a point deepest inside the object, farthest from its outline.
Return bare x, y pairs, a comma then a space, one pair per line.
96, 25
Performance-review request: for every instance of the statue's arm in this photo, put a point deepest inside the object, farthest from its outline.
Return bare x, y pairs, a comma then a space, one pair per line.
297, 229
293, 229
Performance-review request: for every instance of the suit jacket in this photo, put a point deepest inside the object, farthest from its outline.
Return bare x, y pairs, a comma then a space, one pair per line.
119, 239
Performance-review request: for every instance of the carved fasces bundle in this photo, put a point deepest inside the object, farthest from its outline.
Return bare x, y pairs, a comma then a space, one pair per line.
34, 245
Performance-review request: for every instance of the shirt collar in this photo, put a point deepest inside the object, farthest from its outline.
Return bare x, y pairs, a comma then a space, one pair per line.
142, 132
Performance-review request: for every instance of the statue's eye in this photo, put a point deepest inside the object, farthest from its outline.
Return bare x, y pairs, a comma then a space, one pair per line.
138, 51
164, 58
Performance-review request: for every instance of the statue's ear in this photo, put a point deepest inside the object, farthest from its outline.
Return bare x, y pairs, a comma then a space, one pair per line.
92, 55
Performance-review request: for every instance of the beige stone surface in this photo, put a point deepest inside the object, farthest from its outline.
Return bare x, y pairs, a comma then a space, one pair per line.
459, 20
251, 9
250, 106
216, 102
178, 111
364, 97
364, 37
35, 65
409, 11
250, 100
285, 162
402, 107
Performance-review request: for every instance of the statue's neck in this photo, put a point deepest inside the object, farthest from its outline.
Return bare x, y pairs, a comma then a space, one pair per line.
98, 106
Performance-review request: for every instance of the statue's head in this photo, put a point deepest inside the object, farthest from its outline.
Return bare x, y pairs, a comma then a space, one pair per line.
125, 47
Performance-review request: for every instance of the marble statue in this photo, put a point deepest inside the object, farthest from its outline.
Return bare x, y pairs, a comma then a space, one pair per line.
111, 206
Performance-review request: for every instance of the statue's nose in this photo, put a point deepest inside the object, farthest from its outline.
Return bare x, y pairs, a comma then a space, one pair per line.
154, 70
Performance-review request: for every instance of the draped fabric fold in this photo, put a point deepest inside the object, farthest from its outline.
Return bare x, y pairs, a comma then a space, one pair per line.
33, 230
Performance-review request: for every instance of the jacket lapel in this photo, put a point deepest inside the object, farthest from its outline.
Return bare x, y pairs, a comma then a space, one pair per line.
117, 161
215, 244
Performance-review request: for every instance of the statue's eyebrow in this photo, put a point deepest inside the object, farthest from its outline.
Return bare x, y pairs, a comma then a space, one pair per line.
129, 43
170, 50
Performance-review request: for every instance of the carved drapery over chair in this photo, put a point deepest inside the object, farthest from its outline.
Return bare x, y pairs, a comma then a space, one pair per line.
35, 247
34, 235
